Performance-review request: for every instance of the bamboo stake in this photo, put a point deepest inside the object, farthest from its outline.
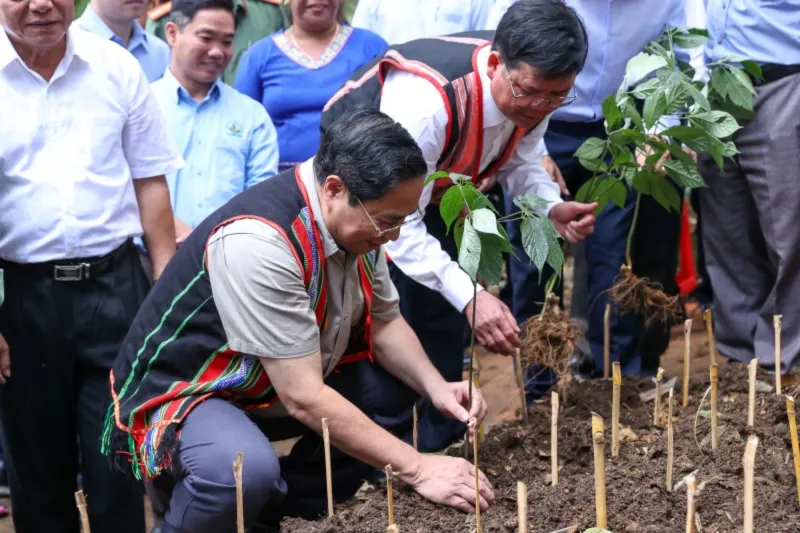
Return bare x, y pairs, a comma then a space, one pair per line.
795, 447
749, 472
712, 345
238, 464
670, 443
415, 430
521, 384
522, 507
751, 396
687, 364
714, 394
598, 443
554, 439
389, 494
691, 489
606, 341
615, 401
657, 404
80, 499
326, 439
478, 527
776, 320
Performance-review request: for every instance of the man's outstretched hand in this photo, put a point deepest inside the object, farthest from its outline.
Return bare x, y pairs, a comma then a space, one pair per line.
495, 326
449, 481
573, 220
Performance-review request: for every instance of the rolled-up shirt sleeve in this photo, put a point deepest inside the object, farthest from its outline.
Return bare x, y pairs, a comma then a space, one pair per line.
148, 146
416, 104
524, 173
259, 292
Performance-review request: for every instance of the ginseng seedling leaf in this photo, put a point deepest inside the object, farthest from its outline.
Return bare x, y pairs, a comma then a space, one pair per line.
484, 221
450, 206
469, 254
439, 174
592, 148
491, 266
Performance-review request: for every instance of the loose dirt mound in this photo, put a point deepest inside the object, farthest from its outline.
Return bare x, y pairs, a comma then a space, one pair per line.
637, 498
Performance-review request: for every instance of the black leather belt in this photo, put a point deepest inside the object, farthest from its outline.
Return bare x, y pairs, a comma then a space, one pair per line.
71, 269
772, 72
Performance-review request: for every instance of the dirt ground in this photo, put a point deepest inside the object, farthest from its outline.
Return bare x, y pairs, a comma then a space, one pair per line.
497, 382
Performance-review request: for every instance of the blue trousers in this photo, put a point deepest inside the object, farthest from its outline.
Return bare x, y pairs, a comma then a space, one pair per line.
654, 255
201, 489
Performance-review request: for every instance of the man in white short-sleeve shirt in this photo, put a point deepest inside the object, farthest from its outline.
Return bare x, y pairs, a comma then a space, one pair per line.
82, 166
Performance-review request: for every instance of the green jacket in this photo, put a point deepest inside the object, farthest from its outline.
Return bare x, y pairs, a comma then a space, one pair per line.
255, 19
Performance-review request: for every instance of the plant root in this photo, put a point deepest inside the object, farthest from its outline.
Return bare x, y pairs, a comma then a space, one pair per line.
633, 294
549, 340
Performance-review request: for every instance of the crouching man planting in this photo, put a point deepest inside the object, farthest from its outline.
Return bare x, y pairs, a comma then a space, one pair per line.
277, 311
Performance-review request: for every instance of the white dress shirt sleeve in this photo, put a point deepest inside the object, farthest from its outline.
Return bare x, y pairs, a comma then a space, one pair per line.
416, 104
146, 141
524, 173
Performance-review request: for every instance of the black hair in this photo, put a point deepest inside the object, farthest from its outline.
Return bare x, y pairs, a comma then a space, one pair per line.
183, 12
370, 152
548, 35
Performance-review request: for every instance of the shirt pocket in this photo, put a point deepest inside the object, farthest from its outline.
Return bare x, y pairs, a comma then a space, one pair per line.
230, 162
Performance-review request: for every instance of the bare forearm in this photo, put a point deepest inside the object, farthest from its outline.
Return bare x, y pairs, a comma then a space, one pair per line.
398, 350
155, 212
355, 434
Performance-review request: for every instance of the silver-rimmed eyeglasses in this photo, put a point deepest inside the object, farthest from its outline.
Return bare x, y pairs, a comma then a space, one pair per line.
417, 215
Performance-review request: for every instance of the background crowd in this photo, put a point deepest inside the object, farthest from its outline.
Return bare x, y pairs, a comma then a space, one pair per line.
230, 92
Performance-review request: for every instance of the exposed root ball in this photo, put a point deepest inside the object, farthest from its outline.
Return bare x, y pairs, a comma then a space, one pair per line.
633, 294
549, 340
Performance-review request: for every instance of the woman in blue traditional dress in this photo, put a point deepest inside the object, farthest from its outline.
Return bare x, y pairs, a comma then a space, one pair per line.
295, 71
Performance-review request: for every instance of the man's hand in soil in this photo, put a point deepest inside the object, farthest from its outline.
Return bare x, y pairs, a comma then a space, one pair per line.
495, 327
452, 399
555, 173
450, 481
5, 360
573, 220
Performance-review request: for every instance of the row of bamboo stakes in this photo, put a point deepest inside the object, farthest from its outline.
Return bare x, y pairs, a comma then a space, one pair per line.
598, 440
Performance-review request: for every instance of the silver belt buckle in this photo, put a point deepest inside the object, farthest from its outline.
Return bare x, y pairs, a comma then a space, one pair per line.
70, 272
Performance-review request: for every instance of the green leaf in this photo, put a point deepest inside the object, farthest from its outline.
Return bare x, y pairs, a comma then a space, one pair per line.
602, 198
592, 148
458, 232
686, 175
720, 82
475, 198
439, 174
628, 174
679, 154
697, 96
611, 112
643, 64
555, 255
491, 265
664, 193
698, 31
753, 68
689, 40
642, 181
450, 206
531, 202
654, 108
534, 240
627, 136
728, 86
469, 255
484, 221
742, 78
717, 123
646, 88
618, 193
676, 98
595, 165
683, 133
583, 192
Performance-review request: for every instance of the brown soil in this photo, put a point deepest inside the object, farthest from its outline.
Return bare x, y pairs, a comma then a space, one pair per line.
637, 499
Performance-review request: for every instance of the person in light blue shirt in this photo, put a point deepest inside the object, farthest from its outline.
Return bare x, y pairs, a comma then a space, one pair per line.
116, 20
617, 30
227, 139
750, 208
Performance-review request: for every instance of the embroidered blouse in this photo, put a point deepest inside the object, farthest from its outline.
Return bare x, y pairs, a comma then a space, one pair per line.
294, 88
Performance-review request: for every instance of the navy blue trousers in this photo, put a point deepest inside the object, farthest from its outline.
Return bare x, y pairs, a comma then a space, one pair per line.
654, 254
200, 487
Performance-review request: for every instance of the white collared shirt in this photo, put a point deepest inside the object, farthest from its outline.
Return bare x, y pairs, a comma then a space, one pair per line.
71, 148
400, 21
416, 104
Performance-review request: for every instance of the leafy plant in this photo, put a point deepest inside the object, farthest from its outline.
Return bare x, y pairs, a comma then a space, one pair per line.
481, 238
707, 112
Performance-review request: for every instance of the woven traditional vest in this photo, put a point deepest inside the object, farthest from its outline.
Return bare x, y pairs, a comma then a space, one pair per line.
450, 64
176, 353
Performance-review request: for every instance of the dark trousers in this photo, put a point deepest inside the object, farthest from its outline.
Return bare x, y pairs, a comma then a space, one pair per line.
201, 489
654, 254
63, 337
440, 328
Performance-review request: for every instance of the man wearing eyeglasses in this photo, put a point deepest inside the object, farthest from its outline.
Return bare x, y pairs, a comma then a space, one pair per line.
477, 104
